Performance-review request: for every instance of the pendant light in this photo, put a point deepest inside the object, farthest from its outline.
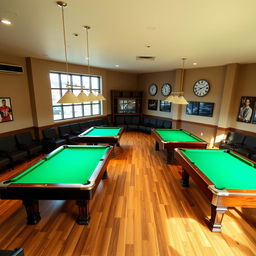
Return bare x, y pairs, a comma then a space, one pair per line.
68, 97
91, 96
177, 97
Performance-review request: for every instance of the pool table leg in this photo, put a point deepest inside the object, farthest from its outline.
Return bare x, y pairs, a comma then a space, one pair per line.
169, 156
32, 209
185, 178
217, 214
83, 212
157, 146
105, 175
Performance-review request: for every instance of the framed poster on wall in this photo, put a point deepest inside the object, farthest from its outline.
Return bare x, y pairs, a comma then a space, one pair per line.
246, 112
6, 114
165, 106
200, 108
152, 104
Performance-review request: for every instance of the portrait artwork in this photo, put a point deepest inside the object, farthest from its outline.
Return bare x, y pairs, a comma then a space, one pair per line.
6, 114
246, 109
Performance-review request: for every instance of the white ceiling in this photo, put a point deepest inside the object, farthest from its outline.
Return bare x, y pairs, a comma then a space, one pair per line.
208, 32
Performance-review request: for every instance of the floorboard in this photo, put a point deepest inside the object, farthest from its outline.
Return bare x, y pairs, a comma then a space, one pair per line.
141, 209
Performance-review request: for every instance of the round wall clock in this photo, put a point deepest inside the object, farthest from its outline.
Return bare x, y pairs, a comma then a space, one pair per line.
166, 89
152, 89
201, 88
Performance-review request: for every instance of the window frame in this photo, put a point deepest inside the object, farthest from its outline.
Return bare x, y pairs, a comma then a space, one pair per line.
73, 88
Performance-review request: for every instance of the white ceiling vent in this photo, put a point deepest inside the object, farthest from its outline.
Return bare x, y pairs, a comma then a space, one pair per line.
147, 58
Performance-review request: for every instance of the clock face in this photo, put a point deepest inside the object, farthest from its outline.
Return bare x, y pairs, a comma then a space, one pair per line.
166, 89
201, 88
152, 89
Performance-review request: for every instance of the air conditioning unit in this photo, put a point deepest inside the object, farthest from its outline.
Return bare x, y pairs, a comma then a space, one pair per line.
9, 68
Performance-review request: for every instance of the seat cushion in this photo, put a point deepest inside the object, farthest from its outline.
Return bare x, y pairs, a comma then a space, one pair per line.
35, 148
18, 155
243, 151
4, 161
60, 142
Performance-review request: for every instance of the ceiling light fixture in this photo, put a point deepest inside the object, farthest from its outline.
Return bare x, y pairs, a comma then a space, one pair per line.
194, 63
177, 97
68, 97
6, 22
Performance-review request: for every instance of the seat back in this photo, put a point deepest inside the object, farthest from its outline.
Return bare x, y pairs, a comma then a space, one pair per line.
250, 142
8, 144
75, 128
235, 138
104, 121
146, 120
159, 123
128, 119
64, 130
50, 133
136, 120
84, 126
24, 138
119, 120
153, 122
167, 124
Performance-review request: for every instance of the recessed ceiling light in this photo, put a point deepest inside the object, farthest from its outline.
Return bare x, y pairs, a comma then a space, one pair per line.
117, 66
194, 63
6, 22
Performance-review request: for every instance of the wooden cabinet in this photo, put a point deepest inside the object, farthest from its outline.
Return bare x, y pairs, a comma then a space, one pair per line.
126, 103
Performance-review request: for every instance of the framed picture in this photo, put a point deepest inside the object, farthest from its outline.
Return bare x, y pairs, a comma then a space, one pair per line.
206, 109
152, 104
126, 106
254, 115
245, 111
6, 114
192, 108
165, 106
200, 108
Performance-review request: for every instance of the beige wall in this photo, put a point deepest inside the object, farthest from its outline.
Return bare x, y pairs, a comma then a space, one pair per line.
245, 86
15, 86
42, 93
215, 76
228, 84
158, 78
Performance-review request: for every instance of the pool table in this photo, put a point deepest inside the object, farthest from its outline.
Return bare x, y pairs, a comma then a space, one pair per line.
169, 139
225, 177
108, 135
67, 173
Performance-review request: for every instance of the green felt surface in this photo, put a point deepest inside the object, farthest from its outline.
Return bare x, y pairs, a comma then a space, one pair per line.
225, 170
102, 131
70, 165
177, 135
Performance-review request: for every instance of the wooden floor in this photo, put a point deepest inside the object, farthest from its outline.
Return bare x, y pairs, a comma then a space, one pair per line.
141, 209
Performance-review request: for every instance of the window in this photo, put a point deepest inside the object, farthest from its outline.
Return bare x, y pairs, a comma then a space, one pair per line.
58, 89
